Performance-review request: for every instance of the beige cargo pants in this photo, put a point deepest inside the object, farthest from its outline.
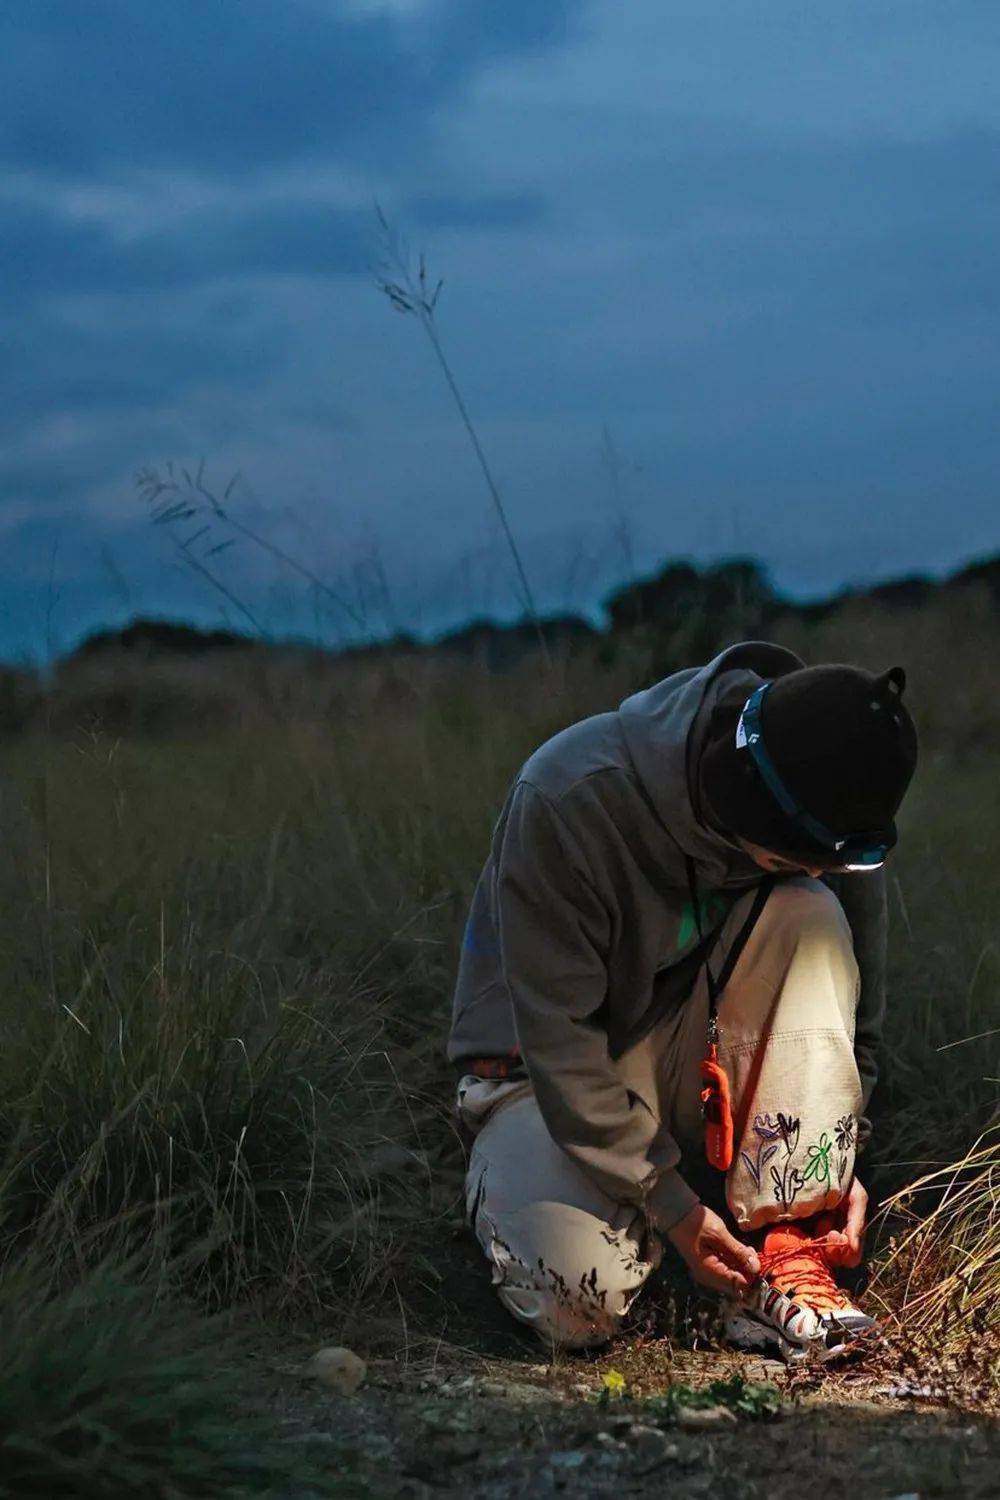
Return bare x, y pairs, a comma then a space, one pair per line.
569, 1261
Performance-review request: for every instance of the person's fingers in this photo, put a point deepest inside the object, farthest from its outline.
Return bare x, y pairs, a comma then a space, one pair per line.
710, 1272
846, 1256
714, 1272
841, 1253
857, 1212
846, 1245
717, 1259
742, 1258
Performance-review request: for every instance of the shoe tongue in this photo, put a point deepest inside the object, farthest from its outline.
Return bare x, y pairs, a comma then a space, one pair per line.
785, 1237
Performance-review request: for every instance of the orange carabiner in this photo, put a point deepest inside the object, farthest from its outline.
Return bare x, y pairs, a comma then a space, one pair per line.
717, 1111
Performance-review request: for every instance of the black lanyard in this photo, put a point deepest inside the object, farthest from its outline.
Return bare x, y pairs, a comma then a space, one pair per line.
716, 986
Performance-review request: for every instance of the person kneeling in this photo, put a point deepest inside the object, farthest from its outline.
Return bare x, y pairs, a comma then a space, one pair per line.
676, 948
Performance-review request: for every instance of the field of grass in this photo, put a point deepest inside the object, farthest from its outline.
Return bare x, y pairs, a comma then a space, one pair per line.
226, 960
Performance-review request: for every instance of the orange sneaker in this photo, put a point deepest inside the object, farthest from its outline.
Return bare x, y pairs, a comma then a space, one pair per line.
795, 1302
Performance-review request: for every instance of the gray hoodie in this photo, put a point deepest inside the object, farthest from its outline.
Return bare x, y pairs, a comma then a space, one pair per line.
581, 937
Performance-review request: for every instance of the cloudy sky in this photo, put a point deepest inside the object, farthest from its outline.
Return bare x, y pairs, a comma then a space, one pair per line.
719, 277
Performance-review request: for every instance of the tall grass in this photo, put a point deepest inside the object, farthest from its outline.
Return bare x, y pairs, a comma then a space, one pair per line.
225, 968
107, 1393
202, 1052
937, 1280
226, 956
409, 293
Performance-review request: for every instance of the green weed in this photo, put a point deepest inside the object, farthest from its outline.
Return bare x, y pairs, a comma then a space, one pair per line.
750, 1400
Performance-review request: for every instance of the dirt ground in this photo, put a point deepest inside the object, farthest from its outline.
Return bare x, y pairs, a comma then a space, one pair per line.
458, 1401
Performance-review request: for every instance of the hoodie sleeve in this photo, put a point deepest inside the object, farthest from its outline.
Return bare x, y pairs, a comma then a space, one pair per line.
555, 932
864, 900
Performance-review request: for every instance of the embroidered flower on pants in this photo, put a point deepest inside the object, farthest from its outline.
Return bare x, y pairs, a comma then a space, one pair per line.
765, 1127
818, 1160
787, 1184
788, 1180
768, 1135
789, 1128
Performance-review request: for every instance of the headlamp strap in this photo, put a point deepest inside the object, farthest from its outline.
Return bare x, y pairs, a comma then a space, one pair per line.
750, 737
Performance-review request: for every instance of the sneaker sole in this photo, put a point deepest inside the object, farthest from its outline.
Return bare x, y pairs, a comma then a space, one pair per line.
748, 1334
744, 1331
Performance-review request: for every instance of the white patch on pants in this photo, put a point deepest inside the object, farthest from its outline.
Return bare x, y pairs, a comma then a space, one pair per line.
565, 1259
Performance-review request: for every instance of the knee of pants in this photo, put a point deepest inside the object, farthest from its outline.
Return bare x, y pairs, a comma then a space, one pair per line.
807, 926
809, 910
563, 1272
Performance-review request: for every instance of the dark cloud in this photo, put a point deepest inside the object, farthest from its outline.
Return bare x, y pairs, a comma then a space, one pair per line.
42, 254
236, 85
125, 363
452, 211
883, 227
780, 294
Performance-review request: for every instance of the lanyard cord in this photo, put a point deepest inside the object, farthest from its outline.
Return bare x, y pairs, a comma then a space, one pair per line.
713, 991
717, 985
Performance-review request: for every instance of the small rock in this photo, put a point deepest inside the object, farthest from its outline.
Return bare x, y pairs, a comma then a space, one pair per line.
610, 1444
908, 1389
340, 1370
704, 1418
648, 1446
520, 1390
459, 1418
621, 1424
451, 1418
513, 1390
568, 1462
462, 1447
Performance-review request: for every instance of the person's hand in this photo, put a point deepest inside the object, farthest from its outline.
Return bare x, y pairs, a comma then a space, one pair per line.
714, 1257
850, 1219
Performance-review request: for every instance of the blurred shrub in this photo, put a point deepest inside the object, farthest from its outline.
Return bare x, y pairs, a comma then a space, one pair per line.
106, 1393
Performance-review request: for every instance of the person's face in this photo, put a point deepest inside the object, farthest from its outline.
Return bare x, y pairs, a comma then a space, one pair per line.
777, 864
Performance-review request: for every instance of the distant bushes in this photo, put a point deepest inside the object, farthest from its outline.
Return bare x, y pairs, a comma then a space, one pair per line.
158, 678
20, 700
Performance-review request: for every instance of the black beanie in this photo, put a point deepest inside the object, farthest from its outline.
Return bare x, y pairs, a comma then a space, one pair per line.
843, 743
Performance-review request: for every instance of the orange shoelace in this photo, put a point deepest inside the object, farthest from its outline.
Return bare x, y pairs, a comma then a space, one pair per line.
797, 1265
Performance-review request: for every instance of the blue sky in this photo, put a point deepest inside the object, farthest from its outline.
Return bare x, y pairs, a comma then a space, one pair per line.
718, 278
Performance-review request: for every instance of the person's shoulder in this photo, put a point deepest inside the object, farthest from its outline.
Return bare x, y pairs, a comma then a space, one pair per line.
591, 748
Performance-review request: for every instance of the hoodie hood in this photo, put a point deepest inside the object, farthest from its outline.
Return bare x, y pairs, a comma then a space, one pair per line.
665, 727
